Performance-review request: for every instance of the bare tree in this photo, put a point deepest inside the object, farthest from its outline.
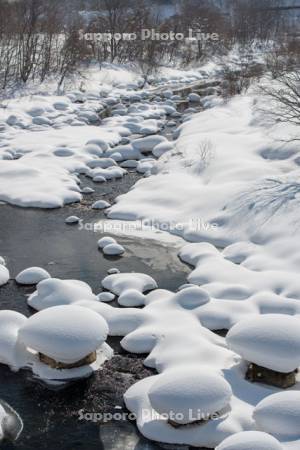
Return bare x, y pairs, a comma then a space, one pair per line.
286, 96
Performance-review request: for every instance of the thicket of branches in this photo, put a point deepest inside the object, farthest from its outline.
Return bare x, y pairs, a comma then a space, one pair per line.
41, 38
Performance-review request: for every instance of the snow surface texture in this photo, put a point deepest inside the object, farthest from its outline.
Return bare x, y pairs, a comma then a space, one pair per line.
64, 333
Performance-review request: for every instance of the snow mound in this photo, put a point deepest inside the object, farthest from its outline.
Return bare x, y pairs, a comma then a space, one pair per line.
3, 418
4, 275
32, 275
102, 144
191, 297
65, 333
41, 186
113, 250
72, 220
162, 148
189, 393
195, 98
106, 297
118, 283
271, 341
87, 190
103, 242
148, 143
54, 292
250, 440
279, 414
10, 323
100, 204
131, 297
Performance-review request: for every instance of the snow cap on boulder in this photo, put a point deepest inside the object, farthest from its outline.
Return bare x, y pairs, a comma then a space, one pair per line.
65, 333
10, 323
113, 250
271, 341
250, 440
279, 414
103, 242
32, 275
147, 144
4, 275
189, 394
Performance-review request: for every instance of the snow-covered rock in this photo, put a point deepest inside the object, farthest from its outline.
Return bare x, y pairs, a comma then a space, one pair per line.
35, 182
131, 297
113, 270
146, 165
113, 250
191, 297
129, 164
195, 98
100, 204
127, 152
103, 163
271, 341
103, 242
36, 110
72, 220
250, 440
99, 179
118, 283
41, 121
87, 190
103, 145
4, 275
11, 424
32, 275
184, 394
65, 333
10, 348
54, 292
279, 414
93, 150
148, 143
106, 297
61, 105
169, 110
162, 148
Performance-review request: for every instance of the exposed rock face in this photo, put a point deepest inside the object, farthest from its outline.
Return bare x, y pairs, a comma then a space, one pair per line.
260, 374
89, 359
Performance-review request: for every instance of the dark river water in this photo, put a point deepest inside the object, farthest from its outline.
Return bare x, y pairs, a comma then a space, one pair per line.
32, 237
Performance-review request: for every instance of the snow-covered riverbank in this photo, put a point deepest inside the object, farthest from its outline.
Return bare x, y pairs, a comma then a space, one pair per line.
226, 189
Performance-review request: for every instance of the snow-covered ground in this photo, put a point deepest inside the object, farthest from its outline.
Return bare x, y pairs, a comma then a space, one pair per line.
227, 189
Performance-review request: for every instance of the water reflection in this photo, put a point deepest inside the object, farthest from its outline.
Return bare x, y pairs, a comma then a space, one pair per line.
123, 435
